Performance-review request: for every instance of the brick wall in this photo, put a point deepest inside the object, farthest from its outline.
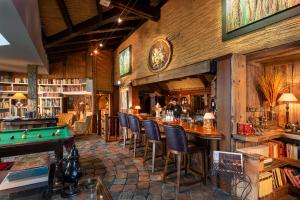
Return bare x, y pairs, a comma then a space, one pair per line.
194, 30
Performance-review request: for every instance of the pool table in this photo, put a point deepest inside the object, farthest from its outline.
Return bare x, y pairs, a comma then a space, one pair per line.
37, 140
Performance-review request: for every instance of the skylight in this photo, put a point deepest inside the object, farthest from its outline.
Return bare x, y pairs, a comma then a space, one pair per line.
3, 41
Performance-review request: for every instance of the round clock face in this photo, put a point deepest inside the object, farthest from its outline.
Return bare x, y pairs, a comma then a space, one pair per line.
159, 55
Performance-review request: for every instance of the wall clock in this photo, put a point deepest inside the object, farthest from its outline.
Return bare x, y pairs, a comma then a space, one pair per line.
159, 55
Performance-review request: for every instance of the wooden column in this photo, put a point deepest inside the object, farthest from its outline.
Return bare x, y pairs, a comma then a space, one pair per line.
238, 90
231, 96
32, 73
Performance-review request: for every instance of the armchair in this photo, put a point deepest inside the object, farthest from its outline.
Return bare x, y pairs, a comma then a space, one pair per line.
82, 127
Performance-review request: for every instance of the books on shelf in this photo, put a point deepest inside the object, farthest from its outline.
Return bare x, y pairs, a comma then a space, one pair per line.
5, 88
292, 151
265, 186
6, 77
276, 149
293, 175
52, 102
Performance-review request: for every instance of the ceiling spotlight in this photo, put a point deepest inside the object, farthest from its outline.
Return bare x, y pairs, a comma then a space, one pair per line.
95, 51
91, 54
120, 20
101, 44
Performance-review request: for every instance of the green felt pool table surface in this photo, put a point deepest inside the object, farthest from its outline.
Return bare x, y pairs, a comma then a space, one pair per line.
32, 135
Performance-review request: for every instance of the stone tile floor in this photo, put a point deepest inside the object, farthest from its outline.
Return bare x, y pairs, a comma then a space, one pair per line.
128, 179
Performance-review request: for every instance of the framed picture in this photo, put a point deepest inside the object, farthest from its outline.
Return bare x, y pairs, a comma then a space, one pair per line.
243, 16
228, 161
125, 61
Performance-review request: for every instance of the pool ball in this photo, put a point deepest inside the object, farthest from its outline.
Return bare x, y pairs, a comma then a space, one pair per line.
57, 132
53, 134
12, 137
39, 135
24, 136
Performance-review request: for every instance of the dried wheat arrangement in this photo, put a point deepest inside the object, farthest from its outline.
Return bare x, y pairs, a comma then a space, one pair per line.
272, 85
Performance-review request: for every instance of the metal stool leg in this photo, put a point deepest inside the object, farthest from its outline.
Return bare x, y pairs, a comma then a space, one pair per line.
178, 172
153, 156
134, 145
124, 137
146, 150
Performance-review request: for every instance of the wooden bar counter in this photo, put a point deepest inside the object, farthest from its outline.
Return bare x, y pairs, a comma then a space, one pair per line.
193, 129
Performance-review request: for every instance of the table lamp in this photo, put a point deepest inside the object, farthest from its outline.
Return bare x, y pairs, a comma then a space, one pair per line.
138, 108
19, 96
287, 98
208, 120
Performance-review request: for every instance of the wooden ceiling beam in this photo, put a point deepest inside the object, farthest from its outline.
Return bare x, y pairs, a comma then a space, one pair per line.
64, 11
88, 41
109, 30
84, 27
67, 50
139, 8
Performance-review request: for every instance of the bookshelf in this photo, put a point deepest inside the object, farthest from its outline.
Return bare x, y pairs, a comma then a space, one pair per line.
50, 92
50, 106
281, 162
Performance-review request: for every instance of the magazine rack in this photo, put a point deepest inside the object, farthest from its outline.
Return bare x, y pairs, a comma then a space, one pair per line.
233, 176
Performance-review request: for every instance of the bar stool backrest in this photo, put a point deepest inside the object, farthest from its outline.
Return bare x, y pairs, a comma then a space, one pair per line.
176, 138
151, 130
134, 124
123, 119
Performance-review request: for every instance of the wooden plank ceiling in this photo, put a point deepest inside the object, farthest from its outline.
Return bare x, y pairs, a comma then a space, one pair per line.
81, 25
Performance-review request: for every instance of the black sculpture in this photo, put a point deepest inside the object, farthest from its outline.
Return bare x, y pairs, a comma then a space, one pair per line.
71, 173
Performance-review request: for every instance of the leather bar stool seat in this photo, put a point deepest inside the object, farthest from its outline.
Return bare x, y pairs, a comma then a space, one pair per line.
135, 127
153, 136
178, 145
123, 120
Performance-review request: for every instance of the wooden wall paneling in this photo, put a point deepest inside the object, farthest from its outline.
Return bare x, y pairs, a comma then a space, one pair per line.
115, 100
256, 99
238, 90
103, 71
76, 65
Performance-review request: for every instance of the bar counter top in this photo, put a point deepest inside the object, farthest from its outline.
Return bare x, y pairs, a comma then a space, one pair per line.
193, 129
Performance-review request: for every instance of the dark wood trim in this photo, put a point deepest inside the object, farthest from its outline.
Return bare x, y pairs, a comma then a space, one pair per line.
82, 28
277, 17
109, 30
140, 9
189, 70
64, 11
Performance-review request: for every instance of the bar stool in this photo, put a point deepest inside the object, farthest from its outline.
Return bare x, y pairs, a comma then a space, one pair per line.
153, 136
123, 119
135, 127
178, 145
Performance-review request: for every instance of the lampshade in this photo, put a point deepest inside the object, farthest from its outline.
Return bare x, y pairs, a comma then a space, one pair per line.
209, 115
18, 96
137, 107
287, 97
